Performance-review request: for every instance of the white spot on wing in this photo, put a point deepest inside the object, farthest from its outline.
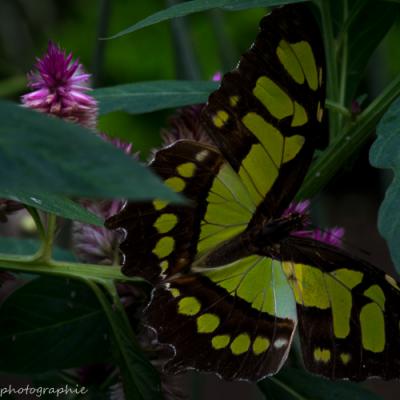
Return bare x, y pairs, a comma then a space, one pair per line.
279, 343
202, 155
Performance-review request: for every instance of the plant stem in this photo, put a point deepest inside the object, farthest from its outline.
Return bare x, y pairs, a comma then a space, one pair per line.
65, 269
46, 250
102, 31
337, 108
343, 72
344, 146
38, 221
226, 49
186, 65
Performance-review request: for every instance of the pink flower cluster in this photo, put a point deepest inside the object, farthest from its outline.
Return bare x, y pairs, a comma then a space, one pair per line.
59, 88
332, 236
59, 85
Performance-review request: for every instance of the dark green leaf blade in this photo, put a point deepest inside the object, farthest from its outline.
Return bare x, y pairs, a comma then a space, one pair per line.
370, 23
51, 324
40, 153
296, 384
384, 153
151, 96
54, 204
141, 380
194, 6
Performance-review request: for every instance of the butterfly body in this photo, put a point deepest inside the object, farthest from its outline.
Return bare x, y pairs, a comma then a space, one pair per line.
262, 239
233, 273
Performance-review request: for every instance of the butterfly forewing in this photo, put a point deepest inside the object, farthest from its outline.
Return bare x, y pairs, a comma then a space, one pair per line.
267, 117
161, 238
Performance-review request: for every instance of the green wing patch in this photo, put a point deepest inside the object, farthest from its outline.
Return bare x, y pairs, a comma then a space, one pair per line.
227, 193
237, 319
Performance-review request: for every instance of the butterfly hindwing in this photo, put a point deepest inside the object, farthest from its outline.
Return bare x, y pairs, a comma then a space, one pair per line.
237, 320
347, 311
267, 117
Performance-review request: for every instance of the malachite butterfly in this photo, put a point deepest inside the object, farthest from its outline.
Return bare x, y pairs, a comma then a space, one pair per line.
232, 280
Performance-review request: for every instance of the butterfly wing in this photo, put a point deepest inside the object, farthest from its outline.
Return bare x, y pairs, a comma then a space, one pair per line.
236, 320
225, 320
160, 238
267, 117
347, 309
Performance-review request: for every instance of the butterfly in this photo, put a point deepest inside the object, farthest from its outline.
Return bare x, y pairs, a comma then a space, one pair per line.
232, 279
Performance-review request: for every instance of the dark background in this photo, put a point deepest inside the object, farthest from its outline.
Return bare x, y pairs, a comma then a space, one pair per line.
215, 40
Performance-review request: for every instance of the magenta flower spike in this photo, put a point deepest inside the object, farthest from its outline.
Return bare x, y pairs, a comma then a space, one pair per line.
332, 236
95, 244
59, 87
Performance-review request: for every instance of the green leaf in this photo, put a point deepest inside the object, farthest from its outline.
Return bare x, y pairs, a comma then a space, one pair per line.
150, 96
39, 153
296, 384
54, 204
384, 153
25, 247
370, 21
140, 379
50, 324
190, 7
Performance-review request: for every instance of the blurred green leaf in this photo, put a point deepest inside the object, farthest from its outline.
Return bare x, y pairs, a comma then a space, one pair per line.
11, 245
50, 324
142, 97
296, 384
54, 204
194, 6
385, 153
40, 153
369, 25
